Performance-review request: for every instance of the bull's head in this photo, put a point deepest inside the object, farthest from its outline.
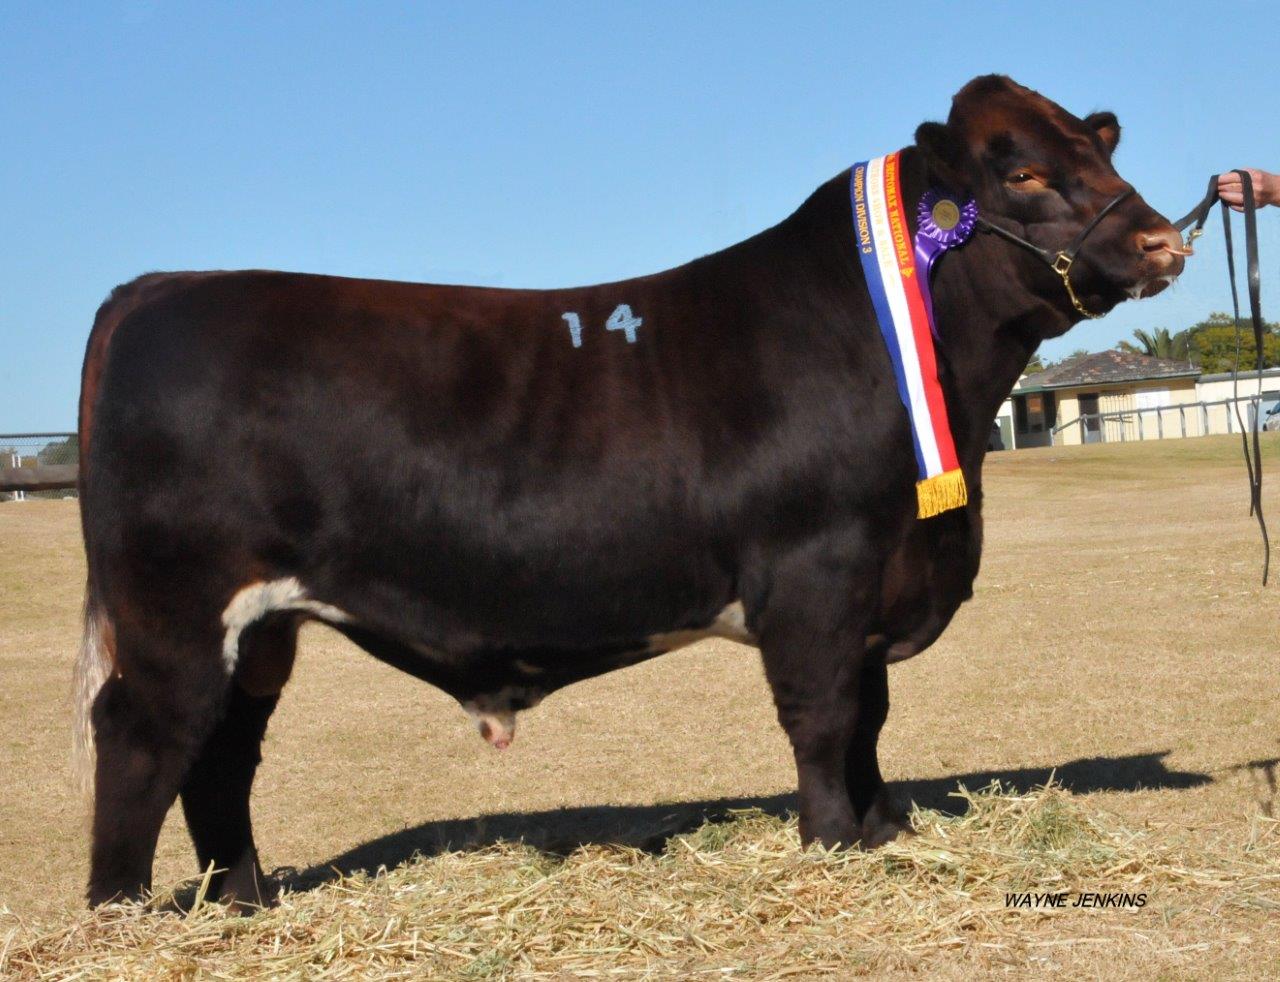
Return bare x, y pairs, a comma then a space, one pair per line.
1045, 175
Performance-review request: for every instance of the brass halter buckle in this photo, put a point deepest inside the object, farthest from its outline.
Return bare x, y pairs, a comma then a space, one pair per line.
1062, 266
1061, 262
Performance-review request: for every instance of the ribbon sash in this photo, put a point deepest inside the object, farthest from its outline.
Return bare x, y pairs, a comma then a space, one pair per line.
897, 275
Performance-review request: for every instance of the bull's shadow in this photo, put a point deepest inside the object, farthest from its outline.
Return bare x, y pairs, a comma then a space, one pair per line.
649, 826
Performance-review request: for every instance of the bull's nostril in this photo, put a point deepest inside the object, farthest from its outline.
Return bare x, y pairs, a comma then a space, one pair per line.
1161, 240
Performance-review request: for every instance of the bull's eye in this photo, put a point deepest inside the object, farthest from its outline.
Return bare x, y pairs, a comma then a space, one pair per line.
1025, 180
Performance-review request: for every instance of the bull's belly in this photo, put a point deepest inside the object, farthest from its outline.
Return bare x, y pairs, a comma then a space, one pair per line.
493, 678
531, 674
499, 628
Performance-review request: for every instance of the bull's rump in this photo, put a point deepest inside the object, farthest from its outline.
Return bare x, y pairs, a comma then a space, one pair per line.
437, 460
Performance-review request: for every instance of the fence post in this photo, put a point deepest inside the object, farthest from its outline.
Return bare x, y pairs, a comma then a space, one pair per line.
1204, 419
16, 461
1182, 419
1141, 432
1160, 424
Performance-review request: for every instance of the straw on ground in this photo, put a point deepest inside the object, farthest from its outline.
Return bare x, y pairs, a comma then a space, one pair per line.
731, 899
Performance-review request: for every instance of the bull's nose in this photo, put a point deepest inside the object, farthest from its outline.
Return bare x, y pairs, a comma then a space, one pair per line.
1162, 247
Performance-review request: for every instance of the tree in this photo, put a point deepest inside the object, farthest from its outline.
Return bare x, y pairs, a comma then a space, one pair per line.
1160, 344
1210, 344
65, 451
1213, 344
1039, 364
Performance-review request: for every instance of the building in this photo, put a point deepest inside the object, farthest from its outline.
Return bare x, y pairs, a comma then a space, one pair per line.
1105, 396
1217, 391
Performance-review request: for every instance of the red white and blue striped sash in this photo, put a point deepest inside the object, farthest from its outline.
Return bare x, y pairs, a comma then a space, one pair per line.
899, 288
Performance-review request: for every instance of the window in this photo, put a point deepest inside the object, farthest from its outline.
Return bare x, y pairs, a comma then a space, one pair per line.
1036, 412
1151, 398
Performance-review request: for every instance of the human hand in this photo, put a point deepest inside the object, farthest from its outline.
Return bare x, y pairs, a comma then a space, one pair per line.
1266, 188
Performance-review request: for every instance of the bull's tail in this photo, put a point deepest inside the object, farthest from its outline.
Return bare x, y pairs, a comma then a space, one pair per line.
93, 666
97, 646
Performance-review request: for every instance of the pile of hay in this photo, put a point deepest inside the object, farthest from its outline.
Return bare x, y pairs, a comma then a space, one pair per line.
733, 899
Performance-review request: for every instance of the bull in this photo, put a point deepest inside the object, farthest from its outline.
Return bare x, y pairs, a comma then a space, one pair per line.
502, 492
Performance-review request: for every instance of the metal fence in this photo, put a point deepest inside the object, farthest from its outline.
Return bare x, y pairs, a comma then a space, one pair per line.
44, 465
1163, 422
38, 459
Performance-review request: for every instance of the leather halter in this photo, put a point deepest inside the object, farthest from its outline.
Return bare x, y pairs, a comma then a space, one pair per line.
1060, 262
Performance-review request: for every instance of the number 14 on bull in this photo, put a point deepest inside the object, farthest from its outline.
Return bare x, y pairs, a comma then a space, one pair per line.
620, 320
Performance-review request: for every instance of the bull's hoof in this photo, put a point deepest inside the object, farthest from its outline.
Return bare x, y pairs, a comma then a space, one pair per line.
883, 823
99, 896
830, 832
246, 889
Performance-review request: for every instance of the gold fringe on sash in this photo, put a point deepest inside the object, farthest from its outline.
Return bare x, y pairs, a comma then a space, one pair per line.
940, 493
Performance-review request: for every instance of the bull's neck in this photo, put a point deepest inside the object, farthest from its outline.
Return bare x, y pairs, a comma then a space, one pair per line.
990, 326
989, 318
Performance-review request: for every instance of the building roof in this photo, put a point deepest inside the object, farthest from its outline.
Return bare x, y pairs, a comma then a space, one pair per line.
1246, 372
1105, 368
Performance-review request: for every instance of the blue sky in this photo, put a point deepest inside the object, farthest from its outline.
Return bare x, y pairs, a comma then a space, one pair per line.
543, 144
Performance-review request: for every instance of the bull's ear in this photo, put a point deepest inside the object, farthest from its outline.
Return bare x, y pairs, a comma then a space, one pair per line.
1108, 128
944, 155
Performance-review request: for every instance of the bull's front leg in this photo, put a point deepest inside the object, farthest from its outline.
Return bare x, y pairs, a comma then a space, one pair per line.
881, 821
812, 631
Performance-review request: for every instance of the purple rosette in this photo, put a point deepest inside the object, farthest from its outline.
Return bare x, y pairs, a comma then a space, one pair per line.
943, 220
942, 223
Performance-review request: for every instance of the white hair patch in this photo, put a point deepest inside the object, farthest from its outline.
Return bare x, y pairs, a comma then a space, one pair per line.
257, 600
730, 623
1139, 290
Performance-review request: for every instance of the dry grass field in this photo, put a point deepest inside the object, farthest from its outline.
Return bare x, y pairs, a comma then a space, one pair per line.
1119, 639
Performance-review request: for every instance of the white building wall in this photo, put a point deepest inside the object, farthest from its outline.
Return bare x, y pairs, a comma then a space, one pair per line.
1211, 388
1216, 388
1005, 412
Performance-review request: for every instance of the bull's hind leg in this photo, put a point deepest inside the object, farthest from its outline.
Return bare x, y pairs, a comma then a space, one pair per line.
215, 796
880, 821
149, 720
